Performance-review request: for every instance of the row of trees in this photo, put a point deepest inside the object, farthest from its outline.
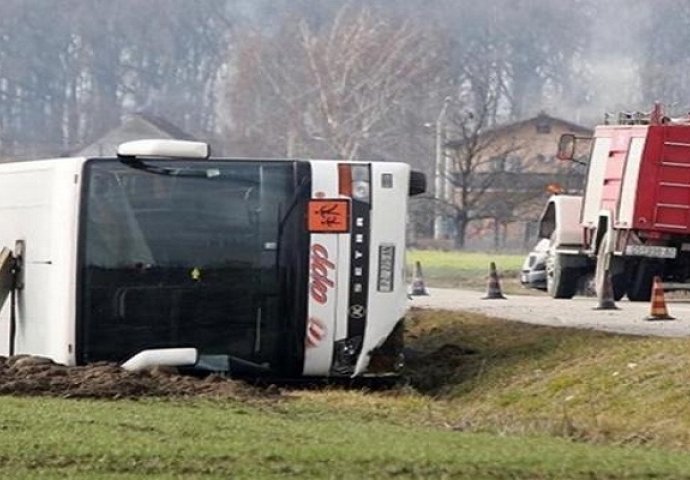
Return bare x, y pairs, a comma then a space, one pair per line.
70, 68
344, 79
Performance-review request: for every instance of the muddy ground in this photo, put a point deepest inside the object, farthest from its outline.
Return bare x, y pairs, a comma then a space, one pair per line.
24, 375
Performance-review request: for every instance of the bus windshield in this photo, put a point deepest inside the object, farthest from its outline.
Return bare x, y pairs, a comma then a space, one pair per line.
205, 254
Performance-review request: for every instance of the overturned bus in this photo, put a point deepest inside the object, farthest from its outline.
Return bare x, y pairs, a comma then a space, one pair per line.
164, 255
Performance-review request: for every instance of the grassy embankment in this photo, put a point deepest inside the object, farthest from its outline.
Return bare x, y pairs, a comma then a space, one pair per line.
466, 269
486, 399
52, 438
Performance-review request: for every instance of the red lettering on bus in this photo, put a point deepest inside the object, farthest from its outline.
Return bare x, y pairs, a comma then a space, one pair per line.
316, 332
319, 269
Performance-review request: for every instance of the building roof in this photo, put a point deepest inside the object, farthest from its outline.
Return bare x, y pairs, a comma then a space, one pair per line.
134, 127
507, 128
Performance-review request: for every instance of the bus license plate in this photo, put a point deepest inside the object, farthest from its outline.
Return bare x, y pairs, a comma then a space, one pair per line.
386, 268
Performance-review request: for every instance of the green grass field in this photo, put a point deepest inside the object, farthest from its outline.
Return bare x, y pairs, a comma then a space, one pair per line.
52, 438
466, 269
484, 398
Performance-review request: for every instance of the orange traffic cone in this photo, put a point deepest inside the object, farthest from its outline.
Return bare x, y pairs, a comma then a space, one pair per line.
418, 288
493, 290
658, 311
605, 297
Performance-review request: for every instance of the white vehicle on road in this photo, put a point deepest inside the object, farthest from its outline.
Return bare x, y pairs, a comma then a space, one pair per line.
533, 272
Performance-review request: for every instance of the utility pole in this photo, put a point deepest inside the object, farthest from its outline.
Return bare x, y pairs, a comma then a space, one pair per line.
440, 185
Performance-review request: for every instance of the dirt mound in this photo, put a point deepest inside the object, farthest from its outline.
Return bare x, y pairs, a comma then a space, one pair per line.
432, 371
27, 375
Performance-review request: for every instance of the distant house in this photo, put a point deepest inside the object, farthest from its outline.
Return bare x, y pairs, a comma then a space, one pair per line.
518, 164
134, 127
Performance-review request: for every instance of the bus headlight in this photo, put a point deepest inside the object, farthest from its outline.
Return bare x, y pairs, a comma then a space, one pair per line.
354, 181
360, 190
345, 355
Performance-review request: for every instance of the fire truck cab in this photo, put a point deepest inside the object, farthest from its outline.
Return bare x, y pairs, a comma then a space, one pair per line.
633, 220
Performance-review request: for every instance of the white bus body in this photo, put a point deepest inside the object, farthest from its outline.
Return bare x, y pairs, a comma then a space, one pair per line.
279, 267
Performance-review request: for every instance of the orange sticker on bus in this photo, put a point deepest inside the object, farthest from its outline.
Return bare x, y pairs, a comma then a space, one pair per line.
329, 216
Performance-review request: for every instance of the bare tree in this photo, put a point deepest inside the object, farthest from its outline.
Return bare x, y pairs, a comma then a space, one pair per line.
362, 67
497, 177
542, 42
528, 48
477, 173
334, 90
664, 68
68, 69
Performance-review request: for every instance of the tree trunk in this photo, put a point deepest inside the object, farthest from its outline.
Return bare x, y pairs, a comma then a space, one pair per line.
461, 234
527, 237
497, 234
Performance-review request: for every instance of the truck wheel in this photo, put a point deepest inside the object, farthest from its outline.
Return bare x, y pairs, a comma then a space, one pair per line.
620, 284
619, 280
640, 288
561, 282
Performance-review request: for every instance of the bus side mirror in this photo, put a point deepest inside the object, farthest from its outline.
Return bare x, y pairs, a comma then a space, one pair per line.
566, 147
417, 183
19, 254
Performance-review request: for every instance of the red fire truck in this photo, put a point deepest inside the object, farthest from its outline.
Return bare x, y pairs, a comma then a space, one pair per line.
633, 219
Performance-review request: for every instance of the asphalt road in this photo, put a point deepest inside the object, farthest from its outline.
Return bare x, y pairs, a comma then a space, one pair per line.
578, 312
